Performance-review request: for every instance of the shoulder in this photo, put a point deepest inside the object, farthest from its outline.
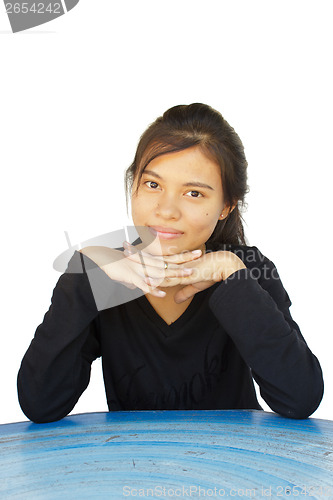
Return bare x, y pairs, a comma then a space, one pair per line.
260, 267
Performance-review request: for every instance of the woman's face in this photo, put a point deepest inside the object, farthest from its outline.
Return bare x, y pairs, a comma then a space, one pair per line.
178, 203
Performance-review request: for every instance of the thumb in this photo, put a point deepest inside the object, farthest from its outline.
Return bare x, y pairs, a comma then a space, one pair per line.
190, 290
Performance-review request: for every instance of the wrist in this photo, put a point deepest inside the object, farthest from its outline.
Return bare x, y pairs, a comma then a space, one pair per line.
230, 264
102, 256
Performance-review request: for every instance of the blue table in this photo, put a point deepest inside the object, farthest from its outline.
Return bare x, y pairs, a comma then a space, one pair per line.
164, 454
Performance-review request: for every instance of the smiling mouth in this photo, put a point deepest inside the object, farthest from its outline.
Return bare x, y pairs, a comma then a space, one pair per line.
164, 234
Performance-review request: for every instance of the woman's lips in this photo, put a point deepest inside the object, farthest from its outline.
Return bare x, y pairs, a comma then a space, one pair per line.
163, 233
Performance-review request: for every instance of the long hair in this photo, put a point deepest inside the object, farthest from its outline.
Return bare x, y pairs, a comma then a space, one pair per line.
185, 126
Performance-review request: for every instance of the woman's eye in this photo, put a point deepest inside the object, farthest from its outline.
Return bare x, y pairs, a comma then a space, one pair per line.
195, 195
151, 182
154, 185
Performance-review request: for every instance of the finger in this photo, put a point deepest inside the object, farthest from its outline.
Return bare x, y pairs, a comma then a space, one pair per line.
138, 247
147, 259
156, 269
148, 289
190, 290
171, 259
164, 282
185, 293
168, 279
179, 258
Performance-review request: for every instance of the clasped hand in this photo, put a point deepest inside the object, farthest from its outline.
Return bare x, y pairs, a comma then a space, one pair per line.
193, 270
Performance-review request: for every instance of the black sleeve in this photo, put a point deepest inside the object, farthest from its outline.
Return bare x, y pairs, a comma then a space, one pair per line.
56, 367
253, 307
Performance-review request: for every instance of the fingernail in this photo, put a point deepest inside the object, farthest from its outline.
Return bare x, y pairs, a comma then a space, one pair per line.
125, 243
196, 252
188, 270
159, 292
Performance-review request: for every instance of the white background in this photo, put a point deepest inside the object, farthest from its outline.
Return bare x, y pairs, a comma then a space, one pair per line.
77, 92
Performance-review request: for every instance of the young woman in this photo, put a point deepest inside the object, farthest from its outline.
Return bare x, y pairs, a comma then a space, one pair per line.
207, 314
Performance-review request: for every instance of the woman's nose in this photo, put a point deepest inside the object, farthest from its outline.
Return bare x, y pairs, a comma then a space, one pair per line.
167, 207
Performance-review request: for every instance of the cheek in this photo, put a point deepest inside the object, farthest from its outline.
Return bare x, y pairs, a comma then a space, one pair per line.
208, 220
138, 206
205, 221
211, 218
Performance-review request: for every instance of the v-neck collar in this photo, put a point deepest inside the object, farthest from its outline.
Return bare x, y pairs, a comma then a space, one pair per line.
168, 330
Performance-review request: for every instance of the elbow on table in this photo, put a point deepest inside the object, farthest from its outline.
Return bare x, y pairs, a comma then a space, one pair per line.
298, 413
37, 418
39, 411
302, 406
41, 416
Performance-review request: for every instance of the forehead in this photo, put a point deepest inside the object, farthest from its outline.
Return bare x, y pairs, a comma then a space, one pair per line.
191, 161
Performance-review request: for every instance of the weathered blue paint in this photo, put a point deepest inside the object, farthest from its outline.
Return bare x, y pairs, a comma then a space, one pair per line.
249, 454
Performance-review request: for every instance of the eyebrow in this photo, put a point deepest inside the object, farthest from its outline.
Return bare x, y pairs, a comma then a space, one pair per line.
189, 184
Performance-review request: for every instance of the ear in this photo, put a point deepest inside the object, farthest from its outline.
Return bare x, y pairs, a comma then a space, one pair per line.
227, 211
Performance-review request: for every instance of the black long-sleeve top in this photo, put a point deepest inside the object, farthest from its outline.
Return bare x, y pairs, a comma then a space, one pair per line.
235, 331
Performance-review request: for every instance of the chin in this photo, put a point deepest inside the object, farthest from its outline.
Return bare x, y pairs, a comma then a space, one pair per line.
162, 248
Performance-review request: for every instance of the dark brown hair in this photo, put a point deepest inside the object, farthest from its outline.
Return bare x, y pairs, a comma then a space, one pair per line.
185, 126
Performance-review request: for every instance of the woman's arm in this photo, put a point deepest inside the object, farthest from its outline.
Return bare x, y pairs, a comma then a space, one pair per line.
56, 367
253, 307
